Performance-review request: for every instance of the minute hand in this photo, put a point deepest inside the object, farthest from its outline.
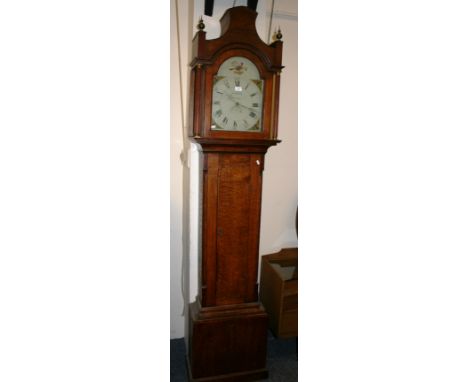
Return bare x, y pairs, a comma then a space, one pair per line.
246, 107
236, 103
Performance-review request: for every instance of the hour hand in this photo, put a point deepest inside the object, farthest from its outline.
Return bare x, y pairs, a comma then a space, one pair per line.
231, 98
239, 104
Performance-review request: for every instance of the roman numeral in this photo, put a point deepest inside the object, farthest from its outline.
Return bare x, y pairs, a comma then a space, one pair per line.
226, 83
252, 114
218, 113
216, 102
246, 86
217, 91
253, 94
255, 104
234, 125
225, 120
237, 82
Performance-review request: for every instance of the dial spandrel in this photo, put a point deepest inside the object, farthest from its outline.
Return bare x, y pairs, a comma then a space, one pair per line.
237, 96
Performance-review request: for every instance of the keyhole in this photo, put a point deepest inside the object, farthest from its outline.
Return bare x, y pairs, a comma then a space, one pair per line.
258, 162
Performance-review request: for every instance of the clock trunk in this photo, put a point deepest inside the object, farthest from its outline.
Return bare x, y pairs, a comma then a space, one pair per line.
231, 210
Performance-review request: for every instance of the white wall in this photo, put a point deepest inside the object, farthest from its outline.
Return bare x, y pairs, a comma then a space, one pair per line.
279, 200
179, 172
280, 176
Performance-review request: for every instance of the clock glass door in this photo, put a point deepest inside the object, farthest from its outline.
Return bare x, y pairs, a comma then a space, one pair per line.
237, 99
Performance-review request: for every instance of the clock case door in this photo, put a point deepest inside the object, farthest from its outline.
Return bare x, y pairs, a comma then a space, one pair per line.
231, 225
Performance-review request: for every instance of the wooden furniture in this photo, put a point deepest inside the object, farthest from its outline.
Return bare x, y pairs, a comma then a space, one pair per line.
233, 114
278, 291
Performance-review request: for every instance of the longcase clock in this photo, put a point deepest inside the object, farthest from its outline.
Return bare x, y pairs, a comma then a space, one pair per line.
234, 90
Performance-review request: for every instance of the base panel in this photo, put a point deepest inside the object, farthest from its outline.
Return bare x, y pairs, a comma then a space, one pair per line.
253, 375
227, 343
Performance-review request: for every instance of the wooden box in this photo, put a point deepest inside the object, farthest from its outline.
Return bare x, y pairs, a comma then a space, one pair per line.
278, 291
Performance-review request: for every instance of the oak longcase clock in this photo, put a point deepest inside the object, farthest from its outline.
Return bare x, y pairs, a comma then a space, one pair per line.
234, 96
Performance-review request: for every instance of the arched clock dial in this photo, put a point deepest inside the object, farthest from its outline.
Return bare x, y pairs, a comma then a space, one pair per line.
237, 99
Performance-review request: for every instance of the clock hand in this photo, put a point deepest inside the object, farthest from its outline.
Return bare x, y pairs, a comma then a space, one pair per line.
231, 98
239, 104
236, 103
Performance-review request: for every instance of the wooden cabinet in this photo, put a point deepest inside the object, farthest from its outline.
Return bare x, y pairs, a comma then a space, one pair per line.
279, 292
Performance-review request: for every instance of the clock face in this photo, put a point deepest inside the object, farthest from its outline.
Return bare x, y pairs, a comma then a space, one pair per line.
237, 101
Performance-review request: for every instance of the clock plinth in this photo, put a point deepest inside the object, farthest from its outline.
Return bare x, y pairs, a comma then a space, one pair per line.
233, 117
227, 343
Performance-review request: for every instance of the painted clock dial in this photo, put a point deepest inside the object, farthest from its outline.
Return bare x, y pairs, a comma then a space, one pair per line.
237, 101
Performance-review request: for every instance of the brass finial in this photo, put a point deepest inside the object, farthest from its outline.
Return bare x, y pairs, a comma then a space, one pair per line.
278, 35
200, 25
